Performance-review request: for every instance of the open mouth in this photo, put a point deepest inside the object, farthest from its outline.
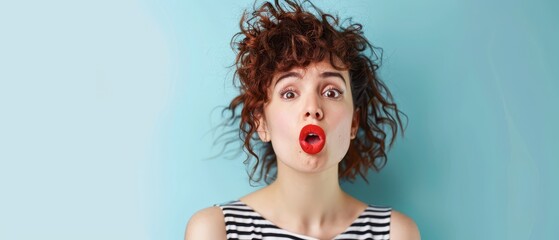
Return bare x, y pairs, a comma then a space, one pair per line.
312, 139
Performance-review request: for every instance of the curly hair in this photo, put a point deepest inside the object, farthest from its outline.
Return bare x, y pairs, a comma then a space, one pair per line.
276, 37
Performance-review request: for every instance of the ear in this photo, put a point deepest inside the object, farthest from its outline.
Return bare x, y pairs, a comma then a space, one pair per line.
355, 123
262, 129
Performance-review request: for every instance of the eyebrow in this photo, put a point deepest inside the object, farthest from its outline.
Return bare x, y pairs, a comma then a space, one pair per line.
322, 75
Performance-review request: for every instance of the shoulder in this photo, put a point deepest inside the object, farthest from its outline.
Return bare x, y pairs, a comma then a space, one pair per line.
403, 227
207, 223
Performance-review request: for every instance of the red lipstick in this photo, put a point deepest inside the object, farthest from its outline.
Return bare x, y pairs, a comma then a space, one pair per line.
312, 139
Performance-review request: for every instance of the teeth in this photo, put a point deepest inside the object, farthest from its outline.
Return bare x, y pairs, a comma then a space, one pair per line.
312, 135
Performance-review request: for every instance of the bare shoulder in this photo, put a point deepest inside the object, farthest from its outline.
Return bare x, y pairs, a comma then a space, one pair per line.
403, 227
207, 223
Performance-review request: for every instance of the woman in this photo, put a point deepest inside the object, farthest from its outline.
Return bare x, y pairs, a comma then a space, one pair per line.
313, 113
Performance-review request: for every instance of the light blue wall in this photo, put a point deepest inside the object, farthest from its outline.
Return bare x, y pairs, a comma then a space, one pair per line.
107, 109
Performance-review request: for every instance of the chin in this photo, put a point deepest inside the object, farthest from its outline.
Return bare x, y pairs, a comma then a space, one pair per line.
315, 163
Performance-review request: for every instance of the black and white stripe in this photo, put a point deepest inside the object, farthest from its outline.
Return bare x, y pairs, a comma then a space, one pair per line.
242, 222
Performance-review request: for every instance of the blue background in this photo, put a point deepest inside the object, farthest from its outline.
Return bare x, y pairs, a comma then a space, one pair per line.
107, 110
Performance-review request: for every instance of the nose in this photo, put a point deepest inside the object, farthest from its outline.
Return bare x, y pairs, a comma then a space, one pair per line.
313, 109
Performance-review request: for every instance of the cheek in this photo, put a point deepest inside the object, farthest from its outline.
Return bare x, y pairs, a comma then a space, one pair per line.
284, 135
279, 122
342, 123
343, 117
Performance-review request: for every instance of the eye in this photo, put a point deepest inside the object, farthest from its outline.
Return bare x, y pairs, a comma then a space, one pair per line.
332, 93
288, 94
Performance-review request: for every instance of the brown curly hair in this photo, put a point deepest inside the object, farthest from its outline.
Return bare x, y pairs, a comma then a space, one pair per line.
276, 37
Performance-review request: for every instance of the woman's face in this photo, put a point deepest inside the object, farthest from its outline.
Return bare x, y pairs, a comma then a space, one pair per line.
316, 95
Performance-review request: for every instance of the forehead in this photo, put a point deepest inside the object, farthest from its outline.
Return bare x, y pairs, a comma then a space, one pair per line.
321, 69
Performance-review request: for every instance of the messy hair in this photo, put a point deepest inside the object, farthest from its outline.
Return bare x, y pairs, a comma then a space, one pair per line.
276, 37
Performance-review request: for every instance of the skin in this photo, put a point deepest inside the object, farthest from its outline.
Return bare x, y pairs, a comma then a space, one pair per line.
306, 197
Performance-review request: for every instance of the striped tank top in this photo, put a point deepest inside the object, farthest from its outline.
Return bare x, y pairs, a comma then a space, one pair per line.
242, 222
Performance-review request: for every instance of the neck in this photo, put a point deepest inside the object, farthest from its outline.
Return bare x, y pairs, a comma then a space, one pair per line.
311, 197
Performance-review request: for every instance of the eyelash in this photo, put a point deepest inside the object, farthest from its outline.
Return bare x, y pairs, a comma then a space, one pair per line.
338, 91
287, 90
291, 90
